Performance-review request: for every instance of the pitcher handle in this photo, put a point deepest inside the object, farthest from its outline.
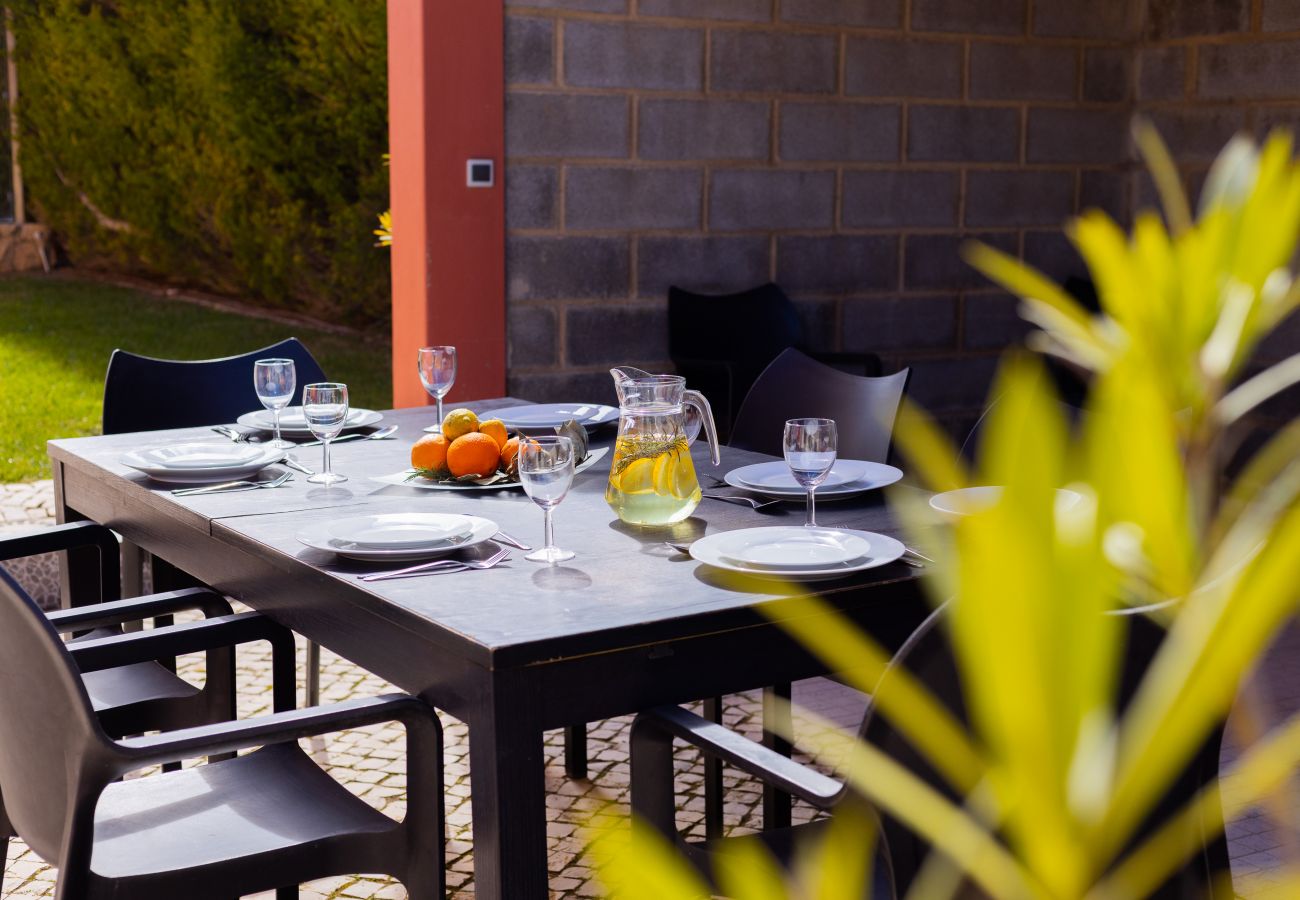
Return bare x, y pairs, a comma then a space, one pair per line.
701, 403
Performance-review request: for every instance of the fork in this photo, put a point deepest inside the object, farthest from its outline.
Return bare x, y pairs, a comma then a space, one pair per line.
750, 501
440, 567
502, 538
232, 486
239, 437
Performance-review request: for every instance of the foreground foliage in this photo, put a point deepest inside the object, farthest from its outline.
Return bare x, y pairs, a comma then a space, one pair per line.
233, 146
1056, 782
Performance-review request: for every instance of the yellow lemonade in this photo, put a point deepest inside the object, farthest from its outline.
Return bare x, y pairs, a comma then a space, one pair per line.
652, 479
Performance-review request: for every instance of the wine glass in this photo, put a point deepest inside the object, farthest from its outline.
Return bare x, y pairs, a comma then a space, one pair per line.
546, 470
810, 452
437, 373
325, 407
275, 380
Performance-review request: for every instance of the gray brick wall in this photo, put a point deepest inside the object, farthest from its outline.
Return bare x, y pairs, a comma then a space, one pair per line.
846, 149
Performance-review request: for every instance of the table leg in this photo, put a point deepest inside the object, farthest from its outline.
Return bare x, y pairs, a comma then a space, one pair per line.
776, 722
507, 792
79, 574
575, 751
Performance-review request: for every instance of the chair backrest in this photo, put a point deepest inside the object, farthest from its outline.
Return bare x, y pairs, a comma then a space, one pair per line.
927, 656
47, 727
146, 394
749, 327
797, 386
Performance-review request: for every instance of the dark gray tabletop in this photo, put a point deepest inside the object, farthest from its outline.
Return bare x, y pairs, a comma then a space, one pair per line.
624, 585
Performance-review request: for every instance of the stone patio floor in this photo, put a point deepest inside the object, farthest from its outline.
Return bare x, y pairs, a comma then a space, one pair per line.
370, 763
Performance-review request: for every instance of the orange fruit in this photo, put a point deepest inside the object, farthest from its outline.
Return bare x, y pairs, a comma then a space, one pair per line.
496, 428
430, 452
473, 454
509, 451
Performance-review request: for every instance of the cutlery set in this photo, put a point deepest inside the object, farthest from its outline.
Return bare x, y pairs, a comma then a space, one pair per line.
440, 567
230, 487
252, 437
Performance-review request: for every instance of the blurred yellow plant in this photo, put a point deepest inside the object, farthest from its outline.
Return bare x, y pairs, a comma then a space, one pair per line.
1057, 783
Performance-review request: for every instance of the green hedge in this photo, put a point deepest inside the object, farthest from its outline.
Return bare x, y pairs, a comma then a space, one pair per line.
234, 145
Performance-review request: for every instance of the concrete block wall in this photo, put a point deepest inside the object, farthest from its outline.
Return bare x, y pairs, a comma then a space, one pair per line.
843, 148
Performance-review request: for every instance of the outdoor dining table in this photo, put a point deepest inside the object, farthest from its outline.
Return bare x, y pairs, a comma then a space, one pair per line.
512, 651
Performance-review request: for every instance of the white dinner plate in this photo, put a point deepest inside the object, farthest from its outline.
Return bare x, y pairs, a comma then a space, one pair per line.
972, 500
200, 456
402, 531
144, 461
779, 483
792, 548
293, 423
776, 476
550, 415
318, 537
714, 550
404, 479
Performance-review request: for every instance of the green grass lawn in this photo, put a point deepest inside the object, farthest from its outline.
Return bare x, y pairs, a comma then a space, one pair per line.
56, 336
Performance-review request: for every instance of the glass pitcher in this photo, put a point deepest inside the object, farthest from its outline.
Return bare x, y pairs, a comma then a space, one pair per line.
652, 478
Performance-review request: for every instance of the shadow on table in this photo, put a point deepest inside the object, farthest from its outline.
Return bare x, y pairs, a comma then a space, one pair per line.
561, 578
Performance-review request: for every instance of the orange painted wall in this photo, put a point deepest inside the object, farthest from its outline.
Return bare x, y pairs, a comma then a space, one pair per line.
446, 105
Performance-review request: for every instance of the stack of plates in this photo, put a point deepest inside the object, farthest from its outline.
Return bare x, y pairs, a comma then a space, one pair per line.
202, 463
398, 536
294, 424
796, 553
847, 478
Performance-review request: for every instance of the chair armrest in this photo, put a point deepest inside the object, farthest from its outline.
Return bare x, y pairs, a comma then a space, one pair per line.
116, 612
739, 751
869, 362
71, 536
277, 728
174, 640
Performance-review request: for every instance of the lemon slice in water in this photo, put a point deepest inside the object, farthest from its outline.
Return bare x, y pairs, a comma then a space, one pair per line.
638, 477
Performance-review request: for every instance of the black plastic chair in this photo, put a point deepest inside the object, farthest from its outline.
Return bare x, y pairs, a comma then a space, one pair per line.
142, 393
927, 656
146, 394
266, 820
797, 386
145, 696
722, 342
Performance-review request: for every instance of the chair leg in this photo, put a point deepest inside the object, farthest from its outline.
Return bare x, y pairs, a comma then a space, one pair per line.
776, 804
313, 674
575, 751
713, 778
6, 832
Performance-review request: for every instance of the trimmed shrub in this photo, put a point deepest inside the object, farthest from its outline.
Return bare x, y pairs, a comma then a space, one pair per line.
232, 145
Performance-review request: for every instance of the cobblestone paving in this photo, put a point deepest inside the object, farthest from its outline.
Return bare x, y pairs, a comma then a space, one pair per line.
370, 763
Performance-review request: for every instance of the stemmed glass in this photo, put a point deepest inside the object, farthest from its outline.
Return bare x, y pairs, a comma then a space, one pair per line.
325, 407
810, 452
275, 380
546, 470
437, 374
